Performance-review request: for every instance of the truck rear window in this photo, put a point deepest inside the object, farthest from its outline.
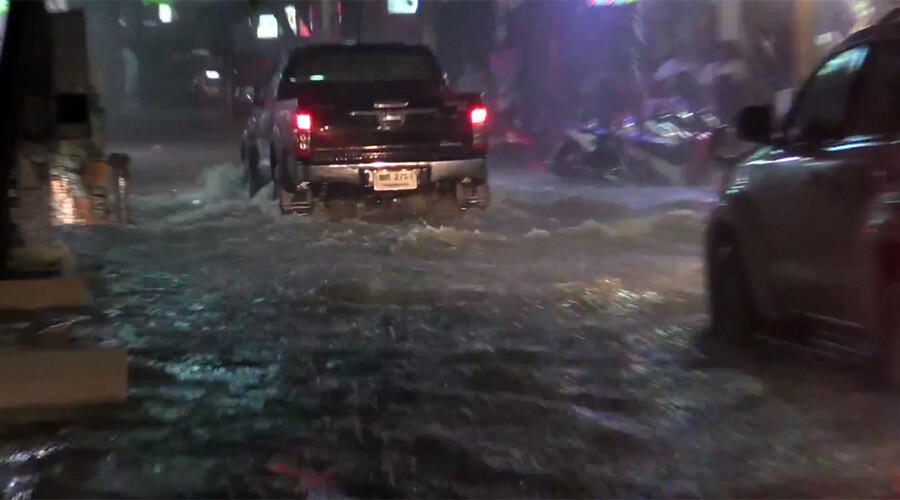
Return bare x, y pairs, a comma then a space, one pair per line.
362, 66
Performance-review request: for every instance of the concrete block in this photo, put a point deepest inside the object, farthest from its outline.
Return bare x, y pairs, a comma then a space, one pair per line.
31, 295
62, 377
37, 259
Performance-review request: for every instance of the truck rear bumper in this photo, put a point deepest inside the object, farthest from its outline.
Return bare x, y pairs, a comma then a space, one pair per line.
429, 171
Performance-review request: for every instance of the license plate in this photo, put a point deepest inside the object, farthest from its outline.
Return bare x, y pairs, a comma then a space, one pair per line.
395, 180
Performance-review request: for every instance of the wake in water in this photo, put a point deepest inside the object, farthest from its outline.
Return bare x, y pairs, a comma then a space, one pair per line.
517, 217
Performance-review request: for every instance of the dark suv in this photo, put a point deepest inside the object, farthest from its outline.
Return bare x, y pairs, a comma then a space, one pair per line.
807, 230
374, 120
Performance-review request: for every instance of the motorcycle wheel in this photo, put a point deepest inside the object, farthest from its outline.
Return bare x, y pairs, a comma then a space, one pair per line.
567, 160
613, 164
621, 172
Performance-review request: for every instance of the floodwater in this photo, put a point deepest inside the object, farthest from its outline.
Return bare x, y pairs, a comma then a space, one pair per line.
542, 348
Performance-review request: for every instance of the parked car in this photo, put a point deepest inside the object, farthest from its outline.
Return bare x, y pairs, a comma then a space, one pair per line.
807, 231
373, 121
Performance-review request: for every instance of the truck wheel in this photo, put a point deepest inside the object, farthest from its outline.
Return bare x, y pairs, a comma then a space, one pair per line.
251, 169
483, 195
283, 198
474, 194
273, 172
299, 202
731, 305
279, 194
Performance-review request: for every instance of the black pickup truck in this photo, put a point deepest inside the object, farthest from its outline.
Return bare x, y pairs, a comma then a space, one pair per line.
376, 121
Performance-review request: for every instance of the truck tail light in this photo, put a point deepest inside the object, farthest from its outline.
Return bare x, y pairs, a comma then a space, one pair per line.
478, 119
304, 121
478, 116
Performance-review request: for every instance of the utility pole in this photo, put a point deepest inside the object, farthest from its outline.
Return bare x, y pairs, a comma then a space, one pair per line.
327, 21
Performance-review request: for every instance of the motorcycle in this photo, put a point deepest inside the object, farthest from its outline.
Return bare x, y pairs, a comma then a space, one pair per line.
672, 148
594, 152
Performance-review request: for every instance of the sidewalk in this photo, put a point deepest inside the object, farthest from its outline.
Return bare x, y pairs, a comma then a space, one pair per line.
48, 358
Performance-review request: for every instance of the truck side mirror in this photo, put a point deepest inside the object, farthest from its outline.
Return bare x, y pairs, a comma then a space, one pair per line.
754, 124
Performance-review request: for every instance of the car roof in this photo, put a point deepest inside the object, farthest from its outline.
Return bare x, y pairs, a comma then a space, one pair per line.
888, 28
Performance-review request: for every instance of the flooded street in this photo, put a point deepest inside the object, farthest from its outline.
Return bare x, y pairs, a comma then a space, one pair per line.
542, 348
166, 332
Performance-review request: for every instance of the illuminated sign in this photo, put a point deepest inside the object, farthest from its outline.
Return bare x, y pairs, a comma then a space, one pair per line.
609, 3
291, 12
402, 6
165, 13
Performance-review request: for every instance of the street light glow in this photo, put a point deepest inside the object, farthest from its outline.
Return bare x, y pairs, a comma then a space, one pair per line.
267, 27
291, 12
402, 6
165, 13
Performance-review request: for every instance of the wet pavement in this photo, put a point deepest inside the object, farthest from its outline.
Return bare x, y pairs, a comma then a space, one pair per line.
542, 348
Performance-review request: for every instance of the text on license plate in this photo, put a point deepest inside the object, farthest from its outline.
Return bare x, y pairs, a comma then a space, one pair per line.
393, 180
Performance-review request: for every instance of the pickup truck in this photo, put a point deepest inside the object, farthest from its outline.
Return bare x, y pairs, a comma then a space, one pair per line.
373, 121
805, 240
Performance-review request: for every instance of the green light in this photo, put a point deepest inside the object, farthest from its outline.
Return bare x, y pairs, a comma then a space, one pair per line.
316, 78
4, 6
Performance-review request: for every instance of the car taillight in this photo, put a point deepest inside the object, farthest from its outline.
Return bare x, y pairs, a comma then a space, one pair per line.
478, 116
304, 122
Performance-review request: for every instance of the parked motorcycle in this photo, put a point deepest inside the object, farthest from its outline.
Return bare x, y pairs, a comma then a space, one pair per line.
672, 148
592, 151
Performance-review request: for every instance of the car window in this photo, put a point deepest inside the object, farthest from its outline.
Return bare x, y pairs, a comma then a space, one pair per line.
878, 111
822, 109
372, 65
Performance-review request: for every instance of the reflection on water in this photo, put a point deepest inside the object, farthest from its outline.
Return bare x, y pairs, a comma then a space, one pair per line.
96, 196
63, 187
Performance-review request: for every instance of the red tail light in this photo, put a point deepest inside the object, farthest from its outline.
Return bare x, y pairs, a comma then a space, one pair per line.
304, 121
478, 116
